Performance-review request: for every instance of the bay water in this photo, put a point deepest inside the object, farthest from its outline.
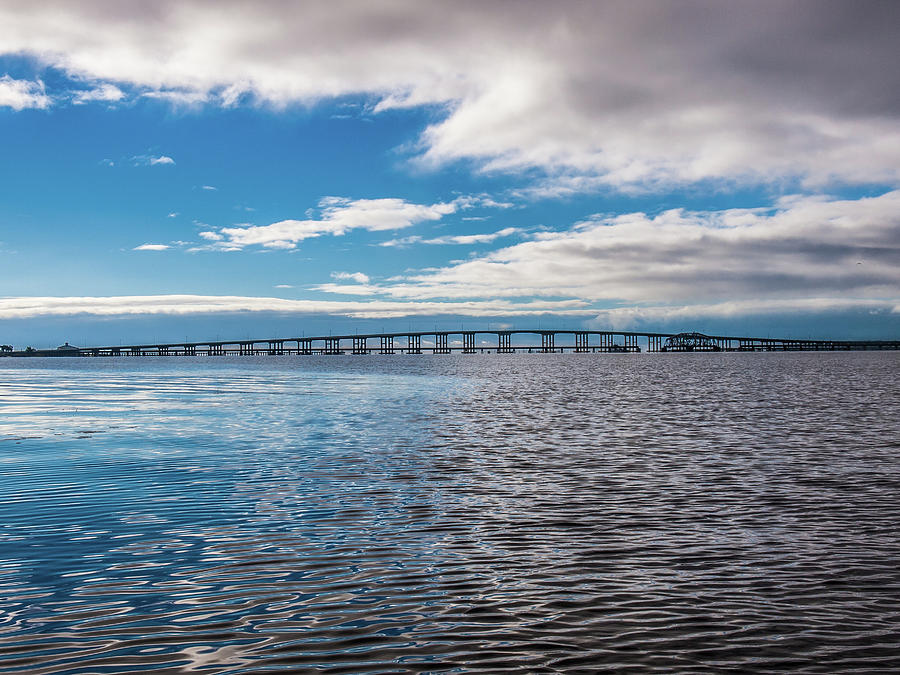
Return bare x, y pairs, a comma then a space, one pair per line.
461, 513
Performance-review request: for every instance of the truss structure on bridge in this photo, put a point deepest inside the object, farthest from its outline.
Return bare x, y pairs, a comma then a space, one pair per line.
691, 342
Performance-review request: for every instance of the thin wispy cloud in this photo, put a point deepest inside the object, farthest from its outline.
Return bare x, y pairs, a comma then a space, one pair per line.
182, 98
105, 92
151, 247
457, 239
23, 308
152, 160
358, 277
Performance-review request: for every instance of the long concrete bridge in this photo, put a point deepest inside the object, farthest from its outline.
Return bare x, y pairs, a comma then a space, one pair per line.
471, 342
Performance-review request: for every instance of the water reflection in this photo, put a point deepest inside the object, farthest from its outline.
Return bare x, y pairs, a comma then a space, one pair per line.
544, 513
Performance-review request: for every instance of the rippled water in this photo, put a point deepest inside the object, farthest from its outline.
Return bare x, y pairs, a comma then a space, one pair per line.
526, 513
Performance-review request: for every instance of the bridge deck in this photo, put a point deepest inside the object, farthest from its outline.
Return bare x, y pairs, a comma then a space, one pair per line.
468, 342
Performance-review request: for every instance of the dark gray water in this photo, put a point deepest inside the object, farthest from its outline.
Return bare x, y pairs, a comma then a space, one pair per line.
487, 513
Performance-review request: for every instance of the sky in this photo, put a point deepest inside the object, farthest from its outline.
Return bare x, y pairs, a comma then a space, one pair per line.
221, 170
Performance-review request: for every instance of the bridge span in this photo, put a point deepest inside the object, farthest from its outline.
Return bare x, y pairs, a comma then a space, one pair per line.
545, 341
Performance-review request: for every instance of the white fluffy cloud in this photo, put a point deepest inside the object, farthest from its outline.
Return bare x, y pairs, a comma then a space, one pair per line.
151, 247
21, 94
802, 248
338, 216
593, 94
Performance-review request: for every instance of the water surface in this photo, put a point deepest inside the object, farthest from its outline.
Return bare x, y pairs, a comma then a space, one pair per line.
524, 513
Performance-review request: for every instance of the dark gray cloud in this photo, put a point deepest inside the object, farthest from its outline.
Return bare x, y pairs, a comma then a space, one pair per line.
622, 93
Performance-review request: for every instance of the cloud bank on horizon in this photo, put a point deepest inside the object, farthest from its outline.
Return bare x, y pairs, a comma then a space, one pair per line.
796, 104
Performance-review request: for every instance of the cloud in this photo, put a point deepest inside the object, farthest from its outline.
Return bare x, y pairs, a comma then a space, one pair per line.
630, 95
625, 318
21, 94
151, 247
151, 160
358, 277
801, 247
172, 214
337, 216
179, 98
104, 92
461, 239
209, 188
29, 307
283, 286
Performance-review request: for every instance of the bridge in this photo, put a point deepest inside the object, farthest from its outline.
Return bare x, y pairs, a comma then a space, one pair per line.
545, 341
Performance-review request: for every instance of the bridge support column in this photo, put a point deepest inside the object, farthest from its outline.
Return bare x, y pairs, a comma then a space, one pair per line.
413, 344
332, 346
387, 344
468, 343
581, 342
440, 343
359, 346
189, 350
504, 343
304, 347
547, 342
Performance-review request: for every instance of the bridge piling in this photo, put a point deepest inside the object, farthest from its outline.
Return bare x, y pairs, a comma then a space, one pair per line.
504, 343
468, 343
581, 342
440, 344
548, 342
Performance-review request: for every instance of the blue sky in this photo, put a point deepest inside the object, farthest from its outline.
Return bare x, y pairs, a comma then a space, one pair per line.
195, 170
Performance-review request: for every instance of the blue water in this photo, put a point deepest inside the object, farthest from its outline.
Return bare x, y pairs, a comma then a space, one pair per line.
482, 513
